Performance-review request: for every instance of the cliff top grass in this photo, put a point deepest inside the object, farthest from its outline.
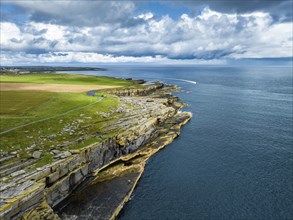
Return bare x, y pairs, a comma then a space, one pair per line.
69, 79
20, 107
44, 121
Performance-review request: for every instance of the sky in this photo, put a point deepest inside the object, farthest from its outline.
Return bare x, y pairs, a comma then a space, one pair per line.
188, 32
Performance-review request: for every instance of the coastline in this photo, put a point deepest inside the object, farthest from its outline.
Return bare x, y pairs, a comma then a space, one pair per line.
136, 163
152, 122
143, 163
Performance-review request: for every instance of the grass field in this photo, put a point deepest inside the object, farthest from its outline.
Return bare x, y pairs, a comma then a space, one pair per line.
87, 123
21, 102
73, 79
24, 112
20, 107
17, 108
57, 104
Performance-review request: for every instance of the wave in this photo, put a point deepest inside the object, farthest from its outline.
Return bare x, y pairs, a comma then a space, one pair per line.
189, 81
183, 80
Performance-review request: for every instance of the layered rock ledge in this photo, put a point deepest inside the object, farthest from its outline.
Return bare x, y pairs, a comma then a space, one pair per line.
149, 119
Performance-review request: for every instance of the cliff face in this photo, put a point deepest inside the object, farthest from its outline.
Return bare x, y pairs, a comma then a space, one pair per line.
149, 120
137, 91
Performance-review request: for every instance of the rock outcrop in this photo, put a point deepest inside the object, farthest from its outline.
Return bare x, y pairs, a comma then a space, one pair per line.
140, 91
152, 122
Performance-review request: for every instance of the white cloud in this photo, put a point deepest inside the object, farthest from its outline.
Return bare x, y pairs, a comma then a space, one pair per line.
145, 16
11, 36
208, 36
9, 58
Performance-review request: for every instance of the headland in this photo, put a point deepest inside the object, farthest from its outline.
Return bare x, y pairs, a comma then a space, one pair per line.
61, 148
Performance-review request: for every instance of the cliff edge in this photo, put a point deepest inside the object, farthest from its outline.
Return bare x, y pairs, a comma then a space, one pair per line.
146, 120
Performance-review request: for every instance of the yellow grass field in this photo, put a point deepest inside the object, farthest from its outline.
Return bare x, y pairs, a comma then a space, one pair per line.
51, 87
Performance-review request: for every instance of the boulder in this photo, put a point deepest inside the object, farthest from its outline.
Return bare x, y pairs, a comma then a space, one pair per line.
56, 152
65, 154
37, 154
17, 173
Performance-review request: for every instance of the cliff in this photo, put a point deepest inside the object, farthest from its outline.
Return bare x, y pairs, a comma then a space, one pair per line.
149, 120
137, 91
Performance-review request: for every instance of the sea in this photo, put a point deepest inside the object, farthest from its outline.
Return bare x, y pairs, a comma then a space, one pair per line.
234, 159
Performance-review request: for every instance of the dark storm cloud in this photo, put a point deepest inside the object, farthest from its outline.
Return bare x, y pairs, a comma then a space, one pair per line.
37, 32
207, 55
91, 13
281, 10
60, 54
14, 40
36, 51
79, 13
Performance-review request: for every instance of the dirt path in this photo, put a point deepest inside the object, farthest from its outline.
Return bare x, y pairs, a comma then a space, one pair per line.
51, 87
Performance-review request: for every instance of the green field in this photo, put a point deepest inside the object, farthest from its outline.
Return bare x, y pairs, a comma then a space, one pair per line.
91, 125
17, 108
28, 118
15, 102
73, 79
21, 107
51, 106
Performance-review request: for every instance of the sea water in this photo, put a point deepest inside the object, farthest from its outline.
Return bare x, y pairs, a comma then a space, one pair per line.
234, 159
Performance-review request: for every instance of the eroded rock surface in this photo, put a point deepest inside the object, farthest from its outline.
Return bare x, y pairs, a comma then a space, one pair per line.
148, 120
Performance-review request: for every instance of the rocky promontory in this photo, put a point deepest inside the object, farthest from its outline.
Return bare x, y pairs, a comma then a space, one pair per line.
146, 119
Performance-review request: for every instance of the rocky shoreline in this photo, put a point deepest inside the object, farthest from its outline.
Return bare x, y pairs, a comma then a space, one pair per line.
133, 163
150, 119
